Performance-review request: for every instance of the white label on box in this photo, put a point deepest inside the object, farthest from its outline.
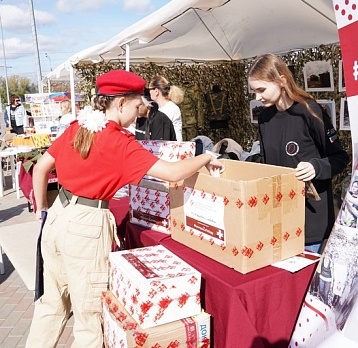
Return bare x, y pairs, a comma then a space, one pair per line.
204, 215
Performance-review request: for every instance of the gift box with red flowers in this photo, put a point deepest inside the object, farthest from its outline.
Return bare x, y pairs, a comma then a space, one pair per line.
154, 285
149, 205
122, 331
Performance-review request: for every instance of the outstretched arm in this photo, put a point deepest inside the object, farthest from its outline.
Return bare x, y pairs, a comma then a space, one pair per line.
175, 171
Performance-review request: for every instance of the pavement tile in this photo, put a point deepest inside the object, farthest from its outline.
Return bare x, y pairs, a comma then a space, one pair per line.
24, 305
16, 297
21, 328
11, 342
4, 332
6, 310
12, 318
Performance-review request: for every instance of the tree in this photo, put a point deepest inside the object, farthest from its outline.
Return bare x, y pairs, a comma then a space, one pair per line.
17, 85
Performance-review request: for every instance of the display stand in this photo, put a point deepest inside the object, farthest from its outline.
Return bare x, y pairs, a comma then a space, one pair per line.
45, 111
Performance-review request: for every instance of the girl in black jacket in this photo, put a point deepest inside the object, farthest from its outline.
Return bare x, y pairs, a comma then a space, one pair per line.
295, 132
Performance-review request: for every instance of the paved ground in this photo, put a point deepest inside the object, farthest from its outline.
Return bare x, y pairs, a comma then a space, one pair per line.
16, 301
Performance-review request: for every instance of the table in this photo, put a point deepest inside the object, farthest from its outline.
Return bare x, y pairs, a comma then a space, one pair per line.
257, 310
33, 140
120, 211
12, 152
23, 141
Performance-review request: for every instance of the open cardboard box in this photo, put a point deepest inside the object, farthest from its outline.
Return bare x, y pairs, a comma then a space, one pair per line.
250, 217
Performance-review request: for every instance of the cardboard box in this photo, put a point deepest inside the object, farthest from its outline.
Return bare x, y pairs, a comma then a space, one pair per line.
122, 331
154, 285
149, 205
250, 217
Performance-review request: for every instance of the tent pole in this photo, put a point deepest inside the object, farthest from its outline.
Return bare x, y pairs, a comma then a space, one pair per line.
127, 56
313, 8
212, 35
72, 87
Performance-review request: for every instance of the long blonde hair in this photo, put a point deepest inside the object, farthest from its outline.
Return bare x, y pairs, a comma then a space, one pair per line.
269, 67
169, 91
83, 139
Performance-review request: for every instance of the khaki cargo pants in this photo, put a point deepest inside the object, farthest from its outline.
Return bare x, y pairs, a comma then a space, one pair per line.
76, 241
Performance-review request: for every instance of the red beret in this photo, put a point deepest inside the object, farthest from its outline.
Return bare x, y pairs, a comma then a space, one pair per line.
116, 82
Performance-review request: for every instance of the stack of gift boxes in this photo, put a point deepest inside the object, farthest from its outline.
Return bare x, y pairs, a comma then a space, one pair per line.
153, 301
149, 201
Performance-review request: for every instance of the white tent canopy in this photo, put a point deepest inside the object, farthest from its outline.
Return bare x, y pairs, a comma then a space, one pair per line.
216, 30
211, 30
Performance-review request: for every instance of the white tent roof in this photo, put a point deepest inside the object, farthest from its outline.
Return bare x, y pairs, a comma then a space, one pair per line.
211, 30
215, 30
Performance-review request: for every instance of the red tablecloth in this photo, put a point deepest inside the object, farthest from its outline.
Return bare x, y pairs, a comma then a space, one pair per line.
119, 209
25, 183
253, 310
137, 236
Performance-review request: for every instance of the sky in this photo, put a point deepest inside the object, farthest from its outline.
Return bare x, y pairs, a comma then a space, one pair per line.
63, 28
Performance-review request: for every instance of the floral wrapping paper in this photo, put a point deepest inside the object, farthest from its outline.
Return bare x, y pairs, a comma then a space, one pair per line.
122, 331
154, 285
149, 208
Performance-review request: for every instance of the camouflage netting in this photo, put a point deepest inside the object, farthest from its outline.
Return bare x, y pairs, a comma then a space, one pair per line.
217, 98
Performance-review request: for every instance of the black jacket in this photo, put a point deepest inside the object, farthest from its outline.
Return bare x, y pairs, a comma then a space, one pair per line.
294, 135
157, 126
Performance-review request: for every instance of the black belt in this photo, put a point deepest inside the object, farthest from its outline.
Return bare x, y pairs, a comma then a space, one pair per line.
66, 196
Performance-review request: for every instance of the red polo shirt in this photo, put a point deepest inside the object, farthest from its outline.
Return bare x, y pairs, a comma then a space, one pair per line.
115, 160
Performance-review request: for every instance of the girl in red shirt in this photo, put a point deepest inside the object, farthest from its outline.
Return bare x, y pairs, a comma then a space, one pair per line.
93, 158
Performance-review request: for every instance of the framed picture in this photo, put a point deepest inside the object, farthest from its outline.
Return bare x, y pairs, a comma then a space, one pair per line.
342, 85
330, 107
318, 76
344, 123
255, 108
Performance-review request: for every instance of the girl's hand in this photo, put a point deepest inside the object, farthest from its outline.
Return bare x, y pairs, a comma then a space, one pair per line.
39, 214
305, 171
215, 167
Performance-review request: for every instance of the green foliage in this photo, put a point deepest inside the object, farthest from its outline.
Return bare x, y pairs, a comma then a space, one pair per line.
17, 85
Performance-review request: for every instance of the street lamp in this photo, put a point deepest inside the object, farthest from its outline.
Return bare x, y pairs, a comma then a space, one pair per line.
5, 66
47, 56
36, 46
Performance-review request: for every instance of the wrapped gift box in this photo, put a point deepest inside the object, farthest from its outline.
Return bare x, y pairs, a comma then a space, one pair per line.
149, 201
171, 151
251, 216
149, 205
122, 331
154, 285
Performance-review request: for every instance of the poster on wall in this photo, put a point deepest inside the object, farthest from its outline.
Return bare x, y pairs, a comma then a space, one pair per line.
341, 83
344, 123
330, 107
318, 76
329, 314
255, 108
